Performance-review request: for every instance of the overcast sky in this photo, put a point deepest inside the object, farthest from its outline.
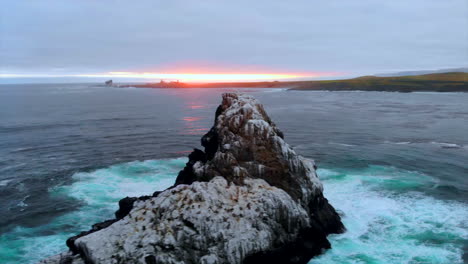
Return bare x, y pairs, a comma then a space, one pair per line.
348, 36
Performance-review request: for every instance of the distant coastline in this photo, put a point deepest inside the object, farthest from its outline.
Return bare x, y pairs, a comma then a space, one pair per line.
436, 82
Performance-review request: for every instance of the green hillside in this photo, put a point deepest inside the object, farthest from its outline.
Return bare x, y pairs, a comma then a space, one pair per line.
438, 82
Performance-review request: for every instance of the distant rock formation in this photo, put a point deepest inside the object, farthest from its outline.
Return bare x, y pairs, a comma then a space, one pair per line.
248, 198
109, 83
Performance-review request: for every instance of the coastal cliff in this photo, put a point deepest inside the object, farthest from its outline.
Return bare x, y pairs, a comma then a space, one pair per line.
247, 198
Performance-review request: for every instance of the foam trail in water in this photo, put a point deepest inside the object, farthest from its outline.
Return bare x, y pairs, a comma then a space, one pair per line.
388, 223
4, 182
100, 191
446, 144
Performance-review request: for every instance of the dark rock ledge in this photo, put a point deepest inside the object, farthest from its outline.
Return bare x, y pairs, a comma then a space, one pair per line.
247, 198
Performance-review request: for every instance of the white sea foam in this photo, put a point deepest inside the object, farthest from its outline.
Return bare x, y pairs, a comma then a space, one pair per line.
403, 143
398, 142
4, 182
446, 144
387, 225
105, 186
274, 90
22, 204
100, 191
439, 144
341, 144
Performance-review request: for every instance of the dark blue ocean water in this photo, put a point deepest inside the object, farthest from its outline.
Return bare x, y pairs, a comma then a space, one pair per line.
395, 164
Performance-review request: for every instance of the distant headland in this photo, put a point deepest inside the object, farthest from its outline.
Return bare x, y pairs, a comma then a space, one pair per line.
435, 82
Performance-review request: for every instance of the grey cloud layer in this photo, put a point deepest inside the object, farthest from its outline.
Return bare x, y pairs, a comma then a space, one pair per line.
347, 36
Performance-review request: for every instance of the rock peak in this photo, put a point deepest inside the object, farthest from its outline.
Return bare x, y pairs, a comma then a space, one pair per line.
245, 143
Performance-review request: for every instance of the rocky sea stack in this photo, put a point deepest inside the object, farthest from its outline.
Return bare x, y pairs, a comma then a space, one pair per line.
247, 198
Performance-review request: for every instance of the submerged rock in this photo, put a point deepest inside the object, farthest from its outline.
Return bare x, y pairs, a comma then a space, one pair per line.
248, 198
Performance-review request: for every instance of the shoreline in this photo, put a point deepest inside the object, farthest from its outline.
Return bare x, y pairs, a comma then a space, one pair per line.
439, 82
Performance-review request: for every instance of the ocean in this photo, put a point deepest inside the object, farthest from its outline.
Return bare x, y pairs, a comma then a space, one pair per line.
395, 165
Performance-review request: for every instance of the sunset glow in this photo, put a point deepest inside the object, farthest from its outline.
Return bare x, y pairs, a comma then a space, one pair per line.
197, 77
193, 76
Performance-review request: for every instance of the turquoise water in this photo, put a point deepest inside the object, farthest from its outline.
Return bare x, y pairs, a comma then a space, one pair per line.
99, 191
387, 222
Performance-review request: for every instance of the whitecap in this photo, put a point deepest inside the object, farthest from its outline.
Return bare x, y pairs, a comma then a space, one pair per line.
22, 204
398, 142
341, 144
22, 149
274, 90
446, 145
4, 182
403, 143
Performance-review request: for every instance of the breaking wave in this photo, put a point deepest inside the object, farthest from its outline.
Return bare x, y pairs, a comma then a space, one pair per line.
387, 222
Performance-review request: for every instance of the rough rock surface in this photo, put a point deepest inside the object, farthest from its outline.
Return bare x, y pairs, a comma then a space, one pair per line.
248, 198
63, 258
206, 222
